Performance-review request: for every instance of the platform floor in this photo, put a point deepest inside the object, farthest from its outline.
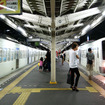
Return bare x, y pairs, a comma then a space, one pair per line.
32, 87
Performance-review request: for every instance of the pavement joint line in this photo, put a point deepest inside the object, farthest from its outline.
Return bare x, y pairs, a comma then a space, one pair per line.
15, 82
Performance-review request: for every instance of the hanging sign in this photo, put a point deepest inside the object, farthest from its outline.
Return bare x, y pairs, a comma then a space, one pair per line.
10, 6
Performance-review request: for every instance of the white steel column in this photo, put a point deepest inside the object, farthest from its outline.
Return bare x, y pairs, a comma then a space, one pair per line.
53, 53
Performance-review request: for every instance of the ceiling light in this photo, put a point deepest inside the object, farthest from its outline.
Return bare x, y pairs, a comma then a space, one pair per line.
11, 24
49, 29
40, 43
2, 16
30, 26
87, 28
103, 13
96, 22
30, 37
7, 30
11, 39
75, 37
22, 31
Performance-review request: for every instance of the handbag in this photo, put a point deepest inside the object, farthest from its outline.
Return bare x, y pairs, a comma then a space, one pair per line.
69, 77
90, 62
38, 64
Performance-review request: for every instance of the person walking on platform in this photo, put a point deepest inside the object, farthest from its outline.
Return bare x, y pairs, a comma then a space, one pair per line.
63, 57
48, 58
73, 63
90, 58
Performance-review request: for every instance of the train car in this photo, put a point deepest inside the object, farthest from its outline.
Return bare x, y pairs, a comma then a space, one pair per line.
98, 48
14, 56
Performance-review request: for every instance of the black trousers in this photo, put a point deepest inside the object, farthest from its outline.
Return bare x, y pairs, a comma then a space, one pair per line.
73, 72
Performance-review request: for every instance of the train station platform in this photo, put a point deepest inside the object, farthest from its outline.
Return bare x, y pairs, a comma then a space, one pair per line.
32, 87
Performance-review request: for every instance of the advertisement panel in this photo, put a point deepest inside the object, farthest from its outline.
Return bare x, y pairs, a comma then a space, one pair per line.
10, 6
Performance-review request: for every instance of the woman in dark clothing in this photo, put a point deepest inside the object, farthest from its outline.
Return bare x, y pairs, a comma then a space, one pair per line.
48, 58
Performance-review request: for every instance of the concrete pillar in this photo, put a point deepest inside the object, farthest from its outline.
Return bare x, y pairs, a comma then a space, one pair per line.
53, 53
53, 60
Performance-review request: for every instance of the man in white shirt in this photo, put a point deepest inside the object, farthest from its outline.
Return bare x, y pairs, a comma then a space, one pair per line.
73, 62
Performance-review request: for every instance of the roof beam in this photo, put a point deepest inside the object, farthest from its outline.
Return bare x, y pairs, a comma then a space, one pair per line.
91, 3
61, 7
66, 35
76, 6
78, 15
33, 18
70, 26
44, 8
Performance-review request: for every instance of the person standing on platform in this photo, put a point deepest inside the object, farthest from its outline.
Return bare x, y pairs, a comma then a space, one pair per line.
90, 58
73, 64
48, 58
41, 64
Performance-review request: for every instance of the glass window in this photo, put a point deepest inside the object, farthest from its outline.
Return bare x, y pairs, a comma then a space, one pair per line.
17, 54
0, 54
4, 54
8, 54
20, 54
12, 54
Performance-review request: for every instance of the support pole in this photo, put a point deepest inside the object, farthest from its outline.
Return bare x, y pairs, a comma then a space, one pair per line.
53, 53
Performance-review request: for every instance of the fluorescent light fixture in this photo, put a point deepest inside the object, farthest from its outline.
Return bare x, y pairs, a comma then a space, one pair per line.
30, 26
49, 29
103, 13
30, 37
87, 28
78, 25
40, 43
11, 39
75, 37
7, 30
43, 45
74, 26
11, 24
22, 31
67, 44
96, 22
2, 17
7, 8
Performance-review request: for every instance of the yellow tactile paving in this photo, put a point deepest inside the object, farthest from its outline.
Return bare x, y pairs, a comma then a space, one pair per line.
91, 89
14, 83
22, 98
95, 86
25, 92
32, 90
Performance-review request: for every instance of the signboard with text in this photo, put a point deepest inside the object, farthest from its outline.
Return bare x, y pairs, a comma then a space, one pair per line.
10, 6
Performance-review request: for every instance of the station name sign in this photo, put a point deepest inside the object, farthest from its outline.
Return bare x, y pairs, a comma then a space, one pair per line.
10, 6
